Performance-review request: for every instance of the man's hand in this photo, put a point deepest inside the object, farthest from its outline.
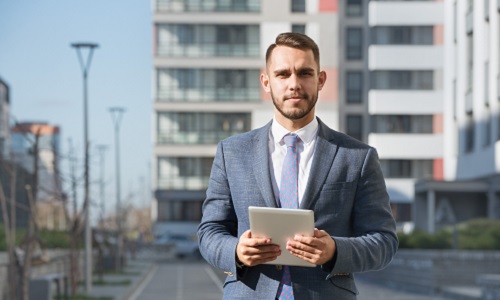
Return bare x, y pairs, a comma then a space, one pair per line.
318, 249
255, 251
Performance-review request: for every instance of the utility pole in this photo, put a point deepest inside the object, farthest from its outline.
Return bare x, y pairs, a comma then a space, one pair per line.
85, 66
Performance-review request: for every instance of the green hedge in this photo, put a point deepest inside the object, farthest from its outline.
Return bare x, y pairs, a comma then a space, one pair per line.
50, 238
477, 234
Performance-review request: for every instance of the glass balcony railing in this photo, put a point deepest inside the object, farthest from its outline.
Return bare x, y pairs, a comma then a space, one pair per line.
184, 183
209, 50
209, 94
208, 5
194, 137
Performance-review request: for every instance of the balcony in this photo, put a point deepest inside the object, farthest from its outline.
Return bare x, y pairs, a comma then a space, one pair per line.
411, 13
209, 94
197, 137
412, 102
209, 50
183, 183
407, 146
405, 57
232, 6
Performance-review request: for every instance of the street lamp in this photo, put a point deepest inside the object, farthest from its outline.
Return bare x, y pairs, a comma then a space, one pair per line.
85, 65
116, 115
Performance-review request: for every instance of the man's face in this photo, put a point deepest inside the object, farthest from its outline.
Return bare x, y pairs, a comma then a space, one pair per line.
293, 80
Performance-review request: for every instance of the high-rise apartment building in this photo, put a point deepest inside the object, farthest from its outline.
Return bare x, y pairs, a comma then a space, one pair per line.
23, 140
208, 56
391, 74
4, 118
471, 121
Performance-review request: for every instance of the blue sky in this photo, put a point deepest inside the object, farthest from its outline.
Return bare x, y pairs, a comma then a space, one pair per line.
45, 78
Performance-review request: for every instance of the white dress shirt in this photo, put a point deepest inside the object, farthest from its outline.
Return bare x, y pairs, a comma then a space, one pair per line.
305, 150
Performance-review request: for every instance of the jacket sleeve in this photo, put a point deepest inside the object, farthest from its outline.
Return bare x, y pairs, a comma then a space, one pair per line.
217, 232
374, 241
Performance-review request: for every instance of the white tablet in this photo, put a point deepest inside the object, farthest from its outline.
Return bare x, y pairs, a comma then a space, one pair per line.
282, 224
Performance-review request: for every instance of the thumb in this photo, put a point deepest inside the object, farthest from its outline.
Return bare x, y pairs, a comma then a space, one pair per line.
247, 234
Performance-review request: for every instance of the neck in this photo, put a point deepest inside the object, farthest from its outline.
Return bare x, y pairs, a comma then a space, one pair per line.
294, 125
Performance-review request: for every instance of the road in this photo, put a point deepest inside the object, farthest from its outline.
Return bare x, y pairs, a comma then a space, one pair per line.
193, 279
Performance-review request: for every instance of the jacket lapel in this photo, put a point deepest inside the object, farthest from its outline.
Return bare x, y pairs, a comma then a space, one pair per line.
261, 165
324, 155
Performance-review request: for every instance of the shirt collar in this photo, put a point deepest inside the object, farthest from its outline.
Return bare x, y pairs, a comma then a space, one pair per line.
306, 133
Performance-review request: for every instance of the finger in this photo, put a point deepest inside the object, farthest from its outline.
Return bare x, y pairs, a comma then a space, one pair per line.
249, 251
301, 247
309, 240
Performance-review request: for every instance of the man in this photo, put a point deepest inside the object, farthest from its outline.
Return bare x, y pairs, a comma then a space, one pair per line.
338, 177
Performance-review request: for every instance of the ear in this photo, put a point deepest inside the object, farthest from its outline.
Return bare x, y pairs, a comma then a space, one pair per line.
264, 80
321, 80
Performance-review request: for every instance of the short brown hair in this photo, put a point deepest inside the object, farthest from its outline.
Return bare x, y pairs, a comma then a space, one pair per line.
294, 40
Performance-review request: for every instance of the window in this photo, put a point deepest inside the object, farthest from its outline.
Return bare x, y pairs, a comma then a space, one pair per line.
355, 126
354, 8
403, 168
469, 132
208, 85
470, 61
421, 124
354, 45
200, 128
402, 80
402, 35
184, 172
354, 85
487, 130
298, 6
299, 28
206, 40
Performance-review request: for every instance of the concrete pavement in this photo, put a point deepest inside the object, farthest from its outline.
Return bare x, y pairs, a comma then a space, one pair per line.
152, 278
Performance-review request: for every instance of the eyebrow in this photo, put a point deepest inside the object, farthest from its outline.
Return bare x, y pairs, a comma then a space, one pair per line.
284, 70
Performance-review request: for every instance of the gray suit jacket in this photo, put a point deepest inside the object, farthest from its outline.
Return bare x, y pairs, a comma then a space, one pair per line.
346, 190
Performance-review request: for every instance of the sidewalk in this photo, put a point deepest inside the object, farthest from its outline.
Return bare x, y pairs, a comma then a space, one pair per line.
123, 285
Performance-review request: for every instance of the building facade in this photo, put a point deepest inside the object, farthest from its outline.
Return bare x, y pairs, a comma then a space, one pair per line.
391, 74
472, 120
50, 208
208, 56
4, 118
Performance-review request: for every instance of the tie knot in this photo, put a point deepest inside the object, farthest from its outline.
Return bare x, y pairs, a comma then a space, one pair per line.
291, 140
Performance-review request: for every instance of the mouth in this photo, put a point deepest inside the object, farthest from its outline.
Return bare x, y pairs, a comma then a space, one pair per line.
294, 98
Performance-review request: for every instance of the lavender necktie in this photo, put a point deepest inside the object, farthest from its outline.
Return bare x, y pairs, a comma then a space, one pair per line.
289, 198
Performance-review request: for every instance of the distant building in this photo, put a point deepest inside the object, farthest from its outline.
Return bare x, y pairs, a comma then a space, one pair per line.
49, 202
391, 89
207, 58
472, 120
4, 118
10, 173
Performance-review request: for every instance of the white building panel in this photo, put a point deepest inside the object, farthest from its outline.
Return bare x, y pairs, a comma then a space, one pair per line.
405, 57
407, 146
392, 102
411, 13
268, 33
400, 190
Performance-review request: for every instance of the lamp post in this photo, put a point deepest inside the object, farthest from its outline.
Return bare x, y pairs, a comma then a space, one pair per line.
116, 115
85, 65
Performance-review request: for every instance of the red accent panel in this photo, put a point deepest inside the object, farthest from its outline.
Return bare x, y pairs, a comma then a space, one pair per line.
437, 121
438, 35
328, 5
438, 169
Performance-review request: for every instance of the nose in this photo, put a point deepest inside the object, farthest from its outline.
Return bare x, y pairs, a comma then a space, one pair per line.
294, 82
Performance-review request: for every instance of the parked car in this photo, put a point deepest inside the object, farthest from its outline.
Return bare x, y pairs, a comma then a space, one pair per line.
184, 245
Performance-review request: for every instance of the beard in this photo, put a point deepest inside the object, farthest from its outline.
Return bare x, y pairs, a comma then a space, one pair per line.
295, 113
